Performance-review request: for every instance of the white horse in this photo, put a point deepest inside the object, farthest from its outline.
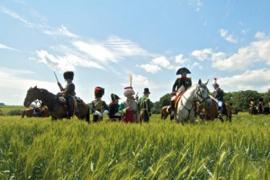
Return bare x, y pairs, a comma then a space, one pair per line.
185, 107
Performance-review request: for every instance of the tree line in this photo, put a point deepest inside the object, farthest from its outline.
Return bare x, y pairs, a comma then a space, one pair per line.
239, 99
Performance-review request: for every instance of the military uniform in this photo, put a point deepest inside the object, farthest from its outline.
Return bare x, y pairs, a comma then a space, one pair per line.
130, 107
68, 92
219, 94
114, 108
98, 106
145, 105
184, 81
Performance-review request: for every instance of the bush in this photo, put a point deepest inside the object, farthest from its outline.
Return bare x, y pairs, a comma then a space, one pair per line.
1, 113
14, 112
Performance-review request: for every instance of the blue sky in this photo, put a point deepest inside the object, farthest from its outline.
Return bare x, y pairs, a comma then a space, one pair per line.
105, 41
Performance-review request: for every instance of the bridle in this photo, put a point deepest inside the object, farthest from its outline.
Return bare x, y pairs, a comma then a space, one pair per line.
200, 95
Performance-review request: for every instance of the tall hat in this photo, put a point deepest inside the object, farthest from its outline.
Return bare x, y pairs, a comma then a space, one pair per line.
68, 75
99, 92
114, 97
146, 91
128, 91
183, 70
215, 83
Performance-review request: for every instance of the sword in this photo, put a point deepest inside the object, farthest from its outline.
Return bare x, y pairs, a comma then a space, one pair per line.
55, 76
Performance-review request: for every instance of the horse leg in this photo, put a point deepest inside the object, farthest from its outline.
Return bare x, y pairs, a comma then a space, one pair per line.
88, 115
23, 114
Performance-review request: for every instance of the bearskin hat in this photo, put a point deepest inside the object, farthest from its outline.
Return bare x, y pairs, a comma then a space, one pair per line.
99, 92
68, 75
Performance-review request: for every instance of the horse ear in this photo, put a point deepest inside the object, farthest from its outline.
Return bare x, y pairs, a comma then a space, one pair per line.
207, 82
35, 87
200, 82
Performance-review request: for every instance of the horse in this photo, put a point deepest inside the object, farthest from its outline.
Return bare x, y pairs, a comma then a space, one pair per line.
252, 108
165, 112
36, 112
186, 105
56, 108
209, 112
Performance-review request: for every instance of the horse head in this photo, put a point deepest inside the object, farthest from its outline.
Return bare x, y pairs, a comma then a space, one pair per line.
32, 95
202, 92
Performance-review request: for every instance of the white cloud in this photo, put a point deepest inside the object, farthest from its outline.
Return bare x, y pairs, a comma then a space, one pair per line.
249, 80
124, 47
227, 36
3, 46
180, 60
157, 64
151, 68
16, 16
96, 51
62, 30
260, 35
65, 62
256, 51
162, 61
41, 26
202, 54
14, 86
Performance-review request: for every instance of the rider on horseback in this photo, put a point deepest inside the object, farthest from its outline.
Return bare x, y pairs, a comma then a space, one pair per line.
181, 84
68, 92
218, 94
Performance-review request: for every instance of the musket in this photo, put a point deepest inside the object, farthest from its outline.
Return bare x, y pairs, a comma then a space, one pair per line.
56, 77
59, 84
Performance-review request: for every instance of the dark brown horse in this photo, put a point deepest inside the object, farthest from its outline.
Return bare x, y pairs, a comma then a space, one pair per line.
36, 112
165, 112
57, 109
209, 111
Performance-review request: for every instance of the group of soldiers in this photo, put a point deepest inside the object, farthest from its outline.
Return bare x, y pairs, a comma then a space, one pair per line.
259, 107
131, 110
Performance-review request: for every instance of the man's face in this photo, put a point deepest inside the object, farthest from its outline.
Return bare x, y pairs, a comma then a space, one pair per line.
68, 80
184, 75
146, 94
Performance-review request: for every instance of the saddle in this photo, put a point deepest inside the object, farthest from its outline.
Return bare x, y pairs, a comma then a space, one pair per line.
178, 96
75, 100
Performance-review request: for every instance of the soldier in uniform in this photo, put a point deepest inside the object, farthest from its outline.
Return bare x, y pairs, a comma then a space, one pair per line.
181, 84
114, 108
68, 92
145, 105
130, 107
218, 94
98, 106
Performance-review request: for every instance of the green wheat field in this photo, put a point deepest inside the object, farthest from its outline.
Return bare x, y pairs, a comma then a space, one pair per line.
36, 148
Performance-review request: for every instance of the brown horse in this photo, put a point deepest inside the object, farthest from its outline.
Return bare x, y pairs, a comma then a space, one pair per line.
165, 112
209, 111
36, 112
56, 108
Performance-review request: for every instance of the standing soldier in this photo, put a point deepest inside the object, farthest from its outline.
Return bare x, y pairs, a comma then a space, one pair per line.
98, 106
130, 107
181, 85
218, 94
114, 108
68, 92
145, 106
